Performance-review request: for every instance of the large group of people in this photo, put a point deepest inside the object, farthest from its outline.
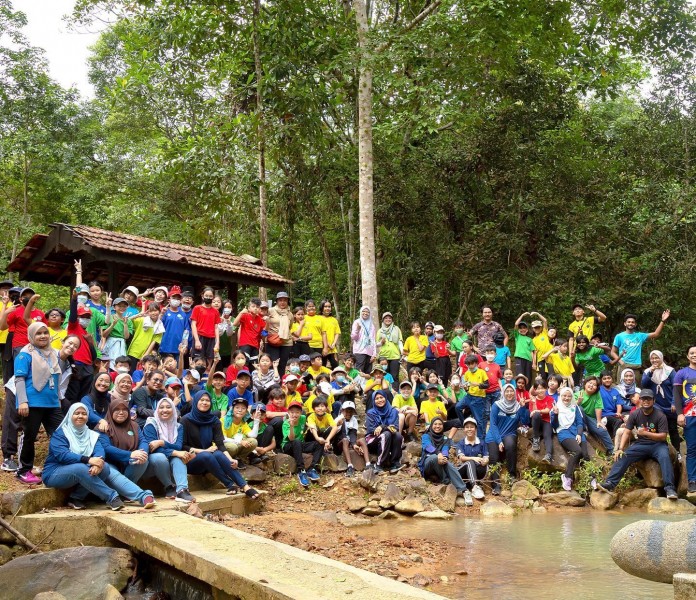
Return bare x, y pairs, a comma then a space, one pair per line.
158, 385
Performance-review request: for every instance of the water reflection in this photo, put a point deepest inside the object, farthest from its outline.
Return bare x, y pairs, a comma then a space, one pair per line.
553, 556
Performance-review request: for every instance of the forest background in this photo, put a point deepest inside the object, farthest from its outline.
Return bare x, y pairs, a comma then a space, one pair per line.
527, 154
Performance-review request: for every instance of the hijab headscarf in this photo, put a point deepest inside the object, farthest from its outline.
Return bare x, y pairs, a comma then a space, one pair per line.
391, 332
437, 439
123, 435
44, 361
509, 407
659, 376
381, 416
116, 395
367, 330
204, 419
166, 430
81, 439
100, 400
624, 389
566, 414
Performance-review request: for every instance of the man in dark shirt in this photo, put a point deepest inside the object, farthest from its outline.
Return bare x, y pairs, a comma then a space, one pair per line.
650, 425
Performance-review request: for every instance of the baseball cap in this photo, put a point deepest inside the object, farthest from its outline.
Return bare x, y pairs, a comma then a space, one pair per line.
27, 289
348, 404
325, 388
646, 393
161, 288
295, 404
304, 358
430, 324
523, 324
405, 384
6, 283
119, 300
83, 310
379, 368
172, 381
290, 377
537, 323
243, 372
470, 420
280, 295
264, 304
438, 328
387, 314
186, 294
195, 374
83, 287
258, 406
132, 289
432, 386
239, 401
338, 369
218, 374
15, 290
175, 291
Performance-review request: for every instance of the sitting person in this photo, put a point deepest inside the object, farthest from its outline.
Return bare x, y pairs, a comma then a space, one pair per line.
433, 407
294, 444
382, 434
324, 429
165, 438
473, 456
146, 397
566, 419
375, 383
348, 421
434, 462
97, 402
203, 438
651, 429
240, 439
265, 377
540, 408
634, 402
612, 404
273, 414
408, 411
475, 383
76, 457
590, 402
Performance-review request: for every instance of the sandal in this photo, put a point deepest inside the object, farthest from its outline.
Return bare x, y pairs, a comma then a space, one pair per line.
232, 490
251, 493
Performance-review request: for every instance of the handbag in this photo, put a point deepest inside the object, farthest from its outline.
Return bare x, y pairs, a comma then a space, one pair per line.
274, 339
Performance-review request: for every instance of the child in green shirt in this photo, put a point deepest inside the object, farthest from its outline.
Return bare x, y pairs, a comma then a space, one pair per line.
525, 351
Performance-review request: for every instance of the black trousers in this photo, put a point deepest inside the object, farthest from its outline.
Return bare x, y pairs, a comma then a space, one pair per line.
281, 353
672, 429
510, 453
79, 385
575, 453
296, 448
363, 361
541, 427
11, 424
50, 418
443, 368
274, 429
387, 446
331, 359
300, 348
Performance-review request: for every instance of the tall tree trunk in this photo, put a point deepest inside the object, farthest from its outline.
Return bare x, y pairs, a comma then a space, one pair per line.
347, 219
24, 221
261, 146
368, 265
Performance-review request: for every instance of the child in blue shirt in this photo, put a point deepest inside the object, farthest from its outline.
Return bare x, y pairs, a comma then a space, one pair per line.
502, 352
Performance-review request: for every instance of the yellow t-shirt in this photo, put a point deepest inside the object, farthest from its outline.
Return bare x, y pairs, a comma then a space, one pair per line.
313, 325
321, 370
57, 337
295, 397
3, 334
586, 327
330, 327
541, 343
323, 422
235, 428
308, 403
562, 365
478, 377
429, 409
413, 354
399, 402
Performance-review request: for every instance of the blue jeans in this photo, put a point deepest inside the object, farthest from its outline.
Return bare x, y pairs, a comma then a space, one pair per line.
446, 473
163, 468
217, 464
490, 399
601, 434
106, 486
640, 451
477, 407
690, 437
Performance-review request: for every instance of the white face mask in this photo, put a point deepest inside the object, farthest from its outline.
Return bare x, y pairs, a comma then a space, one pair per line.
175, 303
84, 322
82, 299
439, 336
226, 311
455, 382
122, 370
490, 357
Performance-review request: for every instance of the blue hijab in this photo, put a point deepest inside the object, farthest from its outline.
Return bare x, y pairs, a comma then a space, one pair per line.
204, 419
384, 416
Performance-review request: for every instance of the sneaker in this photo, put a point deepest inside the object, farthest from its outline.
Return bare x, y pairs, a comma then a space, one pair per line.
605, 487
692, 487
496, 489
302, 476
149, 501
378, 470
170, 493
76, 504
679, 457
566, 482
523, 429
314, 477
477, 492
254, 459
536, 444
547, 458
115, 503
10, 464
185, 496
671, 494
468, 498
369, 467
395, 468
241, 465
350, 471
29, 478
593, 484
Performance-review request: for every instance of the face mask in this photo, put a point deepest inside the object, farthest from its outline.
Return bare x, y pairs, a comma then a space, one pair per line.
226, 311
207, 300
201, 371
295, 370
175, 303
406, 394
341, 379
25, 300
473, 369
455, 382
84, 322
122, 370
439, 336
490, 357
82, 299
459, 331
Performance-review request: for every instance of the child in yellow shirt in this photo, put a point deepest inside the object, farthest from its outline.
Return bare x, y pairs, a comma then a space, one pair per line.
240, 439
475, 383
414, 347
408, 411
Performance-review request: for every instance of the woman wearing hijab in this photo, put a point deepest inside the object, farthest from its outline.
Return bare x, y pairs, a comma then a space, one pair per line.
204, 440
567, 420
362, 333
389, 343
76, 457
279, 340
382, 436
506, 415
627, 386
165, 439
97, 402
659, 377
37, 378
434, 462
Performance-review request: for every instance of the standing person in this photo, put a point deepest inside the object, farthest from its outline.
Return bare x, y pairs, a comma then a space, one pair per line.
651, 428
389, 344
313, 325
684, 389
540, 406
330, 334
96, 294
147, 332
117, 331
18, 319
587, 358
177, 325
204, 322
494, 374
502, 352
475, 383
6, 305
542, 342
414, 347
629, 343
566, 419
659, 377
382, 434
251, 324
54, 320
484, 331
80, 324
362, 334
559, 363
429, 332
612, 404
590, 401
300, 336
583, 325
525, 352
279, 340
460, 335
440, 349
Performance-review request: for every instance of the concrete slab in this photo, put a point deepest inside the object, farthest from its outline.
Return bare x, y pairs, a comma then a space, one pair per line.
246, 566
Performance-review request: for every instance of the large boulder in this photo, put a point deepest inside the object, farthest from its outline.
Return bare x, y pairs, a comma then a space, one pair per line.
496, 508
559, 457
523, 490
333, 463
564, 499
600, 500
76, 573
391, 496
663, 506
410, 505
356, 504
253, 474
444, 497
357, 460
281, 464
650, 470
638, 498
414, 449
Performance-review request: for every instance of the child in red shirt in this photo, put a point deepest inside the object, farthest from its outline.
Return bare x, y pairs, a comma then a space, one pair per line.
540, 407
204, 328
441, 351
251, 324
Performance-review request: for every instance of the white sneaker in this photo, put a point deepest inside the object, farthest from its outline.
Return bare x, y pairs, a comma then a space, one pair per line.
468, 500
477, 492
567, 482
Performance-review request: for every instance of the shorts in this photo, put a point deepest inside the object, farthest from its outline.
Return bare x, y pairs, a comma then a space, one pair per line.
207, 347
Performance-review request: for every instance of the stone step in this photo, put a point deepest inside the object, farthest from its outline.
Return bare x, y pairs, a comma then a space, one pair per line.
243, 565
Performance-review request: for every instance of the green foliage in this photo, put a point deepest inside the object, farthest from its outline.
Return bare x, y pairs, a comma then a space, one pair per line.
543, 481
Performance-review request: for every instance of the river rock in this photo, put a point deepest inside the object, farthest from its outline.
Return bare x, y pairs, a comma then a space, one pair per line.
664, 506
391, 497
52, 596
651, 473
414, 449
388, 514
496, 508
523, 490
638, 498
444, 497
433, 514
417, 484
600, 500
352, 520
111, 593
5, 554
564, 499
333, 463
282, 464
369, 480
253, 474
76, 573
357, 460
356, 504
410, 505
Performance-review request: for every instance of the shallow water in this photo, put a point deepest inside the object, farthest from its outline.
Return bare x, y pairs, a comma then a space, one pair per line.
552, 556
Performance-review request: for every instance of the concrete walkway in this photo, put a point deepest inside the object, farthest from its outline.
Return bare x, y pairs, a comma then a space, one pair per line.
248, 566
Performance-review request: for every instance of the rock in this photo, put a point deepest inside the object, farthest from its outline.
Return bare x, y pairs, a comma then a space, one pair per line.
523, 490
52, 596
253, 474
5, 554
356, 504
684, 586
76, 573
564, 499
600, 500
352, 520
638, 498
539, 510
357, 460
496, 508
655, 550
414, 449
194, 510
283, 464
691, 497
371, 511
333, 463
651, 473
369, 480
420, 580
664, 506
410, 505
417, 484
445, 497
460, 502
391, 497
388, 514
111, 593
374, 502
416, 558
307, 460
433, 514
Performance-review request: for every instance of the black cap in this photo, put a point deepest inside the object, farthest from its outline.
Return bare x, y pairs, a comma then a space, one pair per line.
6, 283
432, 386
646, 393
240, 401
